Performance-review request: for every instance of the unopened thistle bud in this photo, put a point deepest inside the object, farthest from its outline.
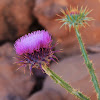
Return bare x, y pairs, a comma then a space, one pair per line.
75, 17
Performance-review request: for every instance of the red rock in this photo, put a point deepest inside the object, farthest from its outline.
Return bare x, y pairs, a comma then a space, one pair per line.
73, 71
13, 84
47, 95
46, 10
15, 18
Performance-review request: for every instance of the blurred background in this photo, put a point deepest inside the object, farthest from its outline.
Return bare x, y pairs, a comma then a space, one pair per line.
19, 17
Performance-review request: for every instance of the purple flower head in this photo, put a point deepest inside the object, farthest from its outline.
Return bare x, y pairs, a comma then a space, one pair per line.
32, 42
34, 49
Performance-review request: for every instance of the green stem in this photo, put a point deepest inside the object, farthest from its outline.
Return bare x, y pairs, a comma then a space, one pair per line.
88, 63
61, 82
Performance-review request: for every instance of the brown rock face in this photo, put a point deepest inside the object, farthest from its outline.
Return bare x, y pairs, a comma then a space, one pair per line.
46, 10
15, 18
73, 71
14, 85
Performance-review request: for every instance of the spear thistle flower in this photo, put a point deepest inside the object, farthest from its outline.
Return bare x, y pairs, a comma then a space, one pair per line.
34, 49
75, 17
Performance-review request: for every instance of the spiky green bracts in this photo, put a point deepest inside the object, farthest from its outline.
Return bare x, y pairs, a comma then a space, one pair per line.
75, 17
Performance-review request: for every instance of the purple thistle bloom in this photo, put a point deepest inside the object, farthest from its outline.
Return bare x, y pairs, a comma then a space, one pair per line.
34, 49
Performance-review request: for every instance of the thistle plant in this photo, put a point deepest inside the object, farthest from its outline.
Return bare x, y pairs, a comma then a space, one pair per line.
76, 18
36, 51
